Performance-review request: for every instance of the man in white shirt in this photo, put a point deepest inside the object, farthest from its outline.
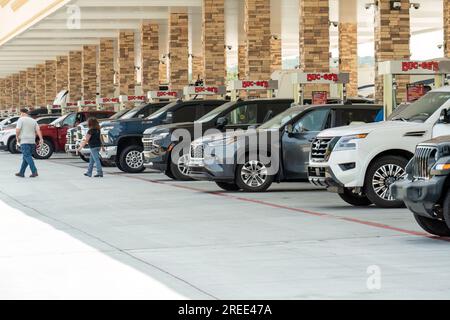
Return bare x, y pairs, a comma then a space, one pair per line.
26, 131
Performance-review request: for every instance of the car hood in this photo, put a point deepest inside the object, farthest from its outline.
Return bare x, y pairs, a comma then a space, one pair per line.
169, 127
370, 127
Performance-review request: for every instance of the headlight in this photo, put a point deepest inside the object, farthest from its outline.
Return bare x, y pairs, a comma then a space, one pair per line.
160, 136
349, 142
441, 168
105, 130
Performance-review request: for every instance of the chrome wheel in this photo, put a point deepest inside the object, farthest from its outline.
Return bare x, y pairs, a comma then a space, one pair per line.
183, 164
254, 174
384, 177
43, 150
134, 159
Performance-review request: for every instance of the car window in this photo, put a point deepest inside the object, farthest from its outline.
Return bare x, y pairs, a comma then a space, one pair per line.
312, 121
243, 114
268, 110
186, 113
45, 120
69, 120
344, 117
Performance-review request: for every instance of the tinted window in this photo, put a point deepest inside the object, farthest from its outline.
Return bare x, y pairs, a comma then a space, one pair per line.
423, 108
186, 113
99, 115
244, 114
345, 117
69, 120
312, 121
45, 120
268, 110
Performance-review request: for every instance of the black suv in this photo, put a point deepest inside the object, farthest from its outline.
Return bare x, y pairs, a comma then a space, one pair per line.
235, 161
123, 138
160, 143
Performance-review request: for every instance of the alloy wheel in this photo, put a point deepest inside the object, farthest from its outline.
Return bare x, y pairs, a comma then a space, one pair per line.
43, 150
384, 177
254, 173
183, 164
134, 159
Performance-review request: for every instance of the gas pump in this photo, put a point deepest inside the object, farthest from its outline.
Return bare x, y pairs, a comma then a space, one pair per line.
163, 95
204, 91
107, 104
390, 69
253, 85
127, 100
300, 79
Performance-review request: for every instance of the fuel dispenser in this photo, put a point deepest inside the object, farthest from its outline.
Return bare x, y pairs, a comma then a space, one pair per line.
191, 92
236, 86
163, 95
126, 101
107, 104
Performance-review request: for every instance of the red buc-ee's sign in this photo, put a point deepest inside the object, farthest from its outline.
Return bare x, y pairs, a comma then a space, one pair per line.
322, 76
424, 65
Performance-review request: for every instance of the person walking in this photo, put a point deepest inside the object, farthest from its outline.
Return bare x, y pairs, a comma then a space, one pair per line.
26, 130
94, 141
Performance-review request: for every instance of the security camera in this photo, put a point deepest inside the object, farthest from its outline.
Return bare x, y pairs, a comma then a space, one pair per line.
369, 5
440, 46
334, 24
396, 5
415, 5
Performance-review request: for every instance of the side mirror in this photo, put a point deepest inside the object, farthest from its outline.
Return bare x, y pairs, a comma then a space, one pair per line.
169, 118
58, 125
289, 129
222, 122
444, 117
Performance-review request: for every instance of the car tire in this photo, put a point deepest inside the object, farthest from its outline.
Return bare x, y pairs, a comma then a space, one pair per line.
380, 176
12, 146
354, 199
82, 157
259, 182
179, 170
433, 226
117, 162
446, 208
131, 160
227, 186
44, 152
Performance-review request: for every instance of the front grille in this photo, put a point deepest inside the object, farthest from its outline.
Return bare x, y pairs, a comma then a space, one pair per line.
424, 159
198, 151
148, 144
70, 138
319, 149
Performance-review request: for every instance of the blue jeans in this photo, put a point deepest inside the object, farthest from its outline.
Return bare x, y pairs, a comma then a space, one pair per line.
27, 158
95, 159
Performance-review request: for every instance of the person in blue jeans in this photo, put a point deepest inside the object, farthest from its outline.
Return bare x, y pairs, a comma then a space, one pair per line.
26, 130
94, 141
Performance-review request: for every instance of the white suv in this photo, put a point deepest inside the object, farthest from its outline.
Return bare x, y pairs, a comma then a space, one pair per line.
361, 162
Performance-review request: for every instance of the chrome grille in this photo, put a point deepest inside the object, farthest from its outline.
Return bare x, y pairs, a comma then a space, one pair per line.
70, 137
148, 144
424, 158
319, 148
198, 151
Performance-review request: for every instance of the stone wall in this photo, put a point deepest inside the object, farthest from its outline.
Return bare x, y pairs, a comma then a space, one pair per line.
31, 87
75, 78
150, 56
62, 73
15, 91
106, 68
40, 85
242, 61
23, 89
348, 55
89, 73
127, 73
179, 50
275, 54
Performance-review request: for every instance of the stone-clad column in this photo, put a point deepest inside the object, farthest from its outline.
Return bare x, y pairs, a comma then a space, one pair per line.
392, 36
8, 93
62, 73
257, 26
127, 73
314, 40
242, 61
214, 54
106, 68
179, 50
163, 73
446, 15
275, 53
50, 81
31, 87
197, 68
348, 43
150, 56
75, 78
89, 73
40, 85
23, 89
2, 93
15, 91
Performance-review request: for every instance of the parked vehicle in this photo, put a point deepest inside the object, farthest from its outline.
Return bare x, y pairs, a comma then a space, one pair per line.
425, 191
236, 163
55, 134
159, 145
361, 163
123, 138
8, 121
8, 140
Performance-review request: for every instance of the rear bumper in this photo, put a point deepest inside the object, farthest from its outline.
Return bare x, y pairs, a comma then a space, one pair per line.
421, 196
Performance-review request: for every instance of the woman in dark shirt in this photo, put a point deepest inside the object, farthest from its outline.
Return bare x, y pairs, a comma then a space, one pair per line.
94, 141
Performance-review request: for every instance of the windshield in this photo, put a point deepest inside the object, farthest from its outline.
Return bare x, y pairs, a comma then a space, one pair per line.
60, 119
118, 115
214, 113
283, 118
423, 108
132, 113
162, 110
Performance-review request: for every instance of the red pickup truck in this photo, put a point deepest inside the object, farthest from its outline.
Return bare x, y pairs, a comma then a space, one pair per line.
54, 134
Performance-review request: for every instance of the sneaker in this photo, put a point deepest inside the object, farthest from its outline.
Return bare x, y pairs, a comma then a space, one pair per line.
34, 175
20, 175
98, 176
87, 175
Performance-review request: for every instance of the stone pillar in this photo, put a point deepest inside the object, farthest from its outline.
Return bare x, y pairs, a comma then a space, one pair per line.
214, 54
197, 68
2, 93
314, 40
40, 85
179, 50
23, 89
242, 61
348, 43
31, 87
163, 73
15, 103
89, 73
257, 26
106, 68
150, 56
275, 53
50, 81
446, 15
8, 93
127, 73
75, 79
392, 36
62, 73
